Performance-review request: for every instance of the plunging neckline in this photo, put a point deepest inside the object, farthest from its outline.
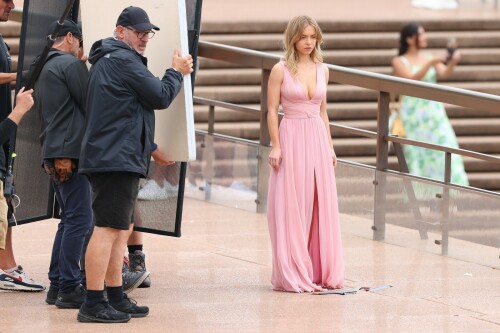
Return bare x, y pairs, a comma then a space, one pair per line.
304, 88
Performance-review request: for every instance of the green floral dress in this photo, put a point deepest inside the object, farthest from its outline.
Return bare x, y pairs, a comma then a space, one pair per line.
426, 121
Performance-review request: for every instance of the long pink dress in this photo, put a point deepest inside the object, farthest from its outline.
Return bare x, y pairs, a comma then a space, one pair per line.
304, 223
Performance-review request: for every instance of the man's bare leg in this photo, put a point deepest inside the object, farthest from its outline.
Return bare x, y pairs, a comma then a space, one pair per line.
7, 256
114, 273
97, 258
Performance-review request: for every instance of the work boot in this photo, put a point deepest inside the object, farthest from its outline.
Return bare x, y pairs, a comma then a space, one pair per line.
137, 263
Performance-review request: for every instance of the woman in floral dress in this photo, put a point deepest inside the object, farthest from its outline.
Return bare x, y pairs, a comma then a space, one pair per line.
426, 120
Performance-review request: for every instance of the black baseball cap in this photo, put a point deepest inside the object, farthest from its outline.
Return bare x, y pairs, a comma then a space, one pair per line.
68, 26
136, 18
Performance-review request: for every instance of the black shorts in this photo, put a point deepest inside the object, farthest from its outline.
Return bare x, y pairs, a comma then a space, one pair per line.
114, 196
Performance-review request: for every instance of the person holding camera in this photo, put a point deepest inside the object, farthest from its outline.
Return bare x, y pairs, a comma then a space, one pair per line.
426, 120
12, 275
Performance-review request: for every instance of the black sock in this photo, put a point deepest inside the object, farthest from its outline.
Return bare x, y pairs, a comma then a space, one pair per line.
133, 248
115, 294
93, 297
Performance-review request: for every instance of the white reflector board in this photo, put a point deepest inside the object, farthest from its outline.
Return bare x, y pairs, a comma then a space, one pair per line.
174, 131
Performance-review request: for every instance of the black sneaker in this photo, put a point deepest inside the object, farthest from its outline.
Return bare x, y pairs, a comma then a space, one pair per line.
137, 263
132, 280
71, 300
146, 283
51, 296
101, 313
128, 305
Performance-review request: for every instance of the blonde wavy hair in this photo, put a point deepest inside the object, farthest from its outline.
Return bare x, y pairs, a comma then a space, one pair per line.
292, 35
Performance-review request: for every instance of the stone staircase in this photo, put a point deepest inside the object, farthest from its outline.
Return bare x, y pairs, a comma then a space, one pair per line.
368, 46
10, 32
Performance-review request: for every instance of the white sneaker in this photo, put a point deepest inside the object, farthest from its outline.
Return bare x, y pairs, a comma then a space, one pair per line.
18, 281
152, 191
172, 190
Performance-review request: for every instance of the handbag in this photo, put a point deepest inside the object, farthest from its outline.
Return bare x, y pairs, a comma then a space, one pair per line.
396, 126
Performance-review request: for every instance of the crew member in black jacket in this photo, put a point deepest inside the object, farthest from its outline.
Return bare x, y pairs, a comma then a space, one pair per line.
116, 152
60, 93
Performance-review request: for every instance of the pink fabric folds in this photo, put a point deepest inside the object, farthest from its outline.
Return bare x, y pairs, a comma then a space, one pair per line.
305, 233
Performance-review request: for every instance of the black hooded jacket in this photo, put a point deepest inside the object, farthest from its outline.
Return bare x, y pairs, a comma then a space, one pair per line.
121, 99
60, 93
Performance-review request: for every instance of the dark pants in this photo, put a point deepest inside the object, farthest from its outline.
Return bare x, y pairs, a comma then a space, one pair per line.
74, 198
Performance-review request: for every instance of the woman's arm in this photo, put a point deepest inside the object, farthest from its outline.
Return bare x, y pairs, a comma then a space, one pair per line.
24, 102
445, 71
401, 70
324, 116
273, 101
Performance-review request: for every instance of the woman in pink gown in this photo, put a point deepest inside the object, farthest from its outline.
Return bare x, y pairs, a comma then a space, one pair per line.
302, 204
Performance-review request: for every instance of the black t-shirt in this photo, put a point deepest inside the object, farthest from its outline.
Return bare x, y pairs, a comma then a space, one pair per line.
5, 98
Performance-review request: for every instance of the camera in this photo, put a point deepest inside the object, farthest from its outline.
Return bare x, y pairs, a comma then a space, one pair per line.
451, 47
9, 189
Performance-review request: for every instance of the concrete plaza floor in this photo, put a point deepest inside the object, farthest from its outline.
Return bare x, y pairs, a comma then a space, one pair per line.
216, 278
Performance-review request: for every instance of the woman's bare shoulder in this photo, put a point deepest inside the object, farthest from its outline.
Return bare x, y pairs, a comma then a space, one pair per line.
325, 70
279, 66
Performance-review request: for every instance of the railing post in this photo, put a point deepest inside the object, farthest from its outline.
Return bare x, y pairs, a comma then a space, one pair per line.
382, 164
211, 119
209, 153
265, 141
445, 209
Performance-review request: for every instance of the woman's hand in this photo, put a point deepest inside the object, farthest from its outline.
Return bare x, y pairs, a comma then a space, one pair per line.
455, 58
334, 158
275, 158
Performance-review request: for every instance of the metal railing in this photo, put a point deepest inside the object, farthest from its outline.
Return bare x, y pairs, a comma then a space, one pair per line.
385, 85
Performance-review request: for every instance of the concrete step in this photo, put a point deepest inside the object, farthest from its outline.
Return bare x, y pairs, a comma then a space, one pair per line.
13, 43
462, 127
358, 40
346, 147
10, 29
277, 26
384, 57
486, 180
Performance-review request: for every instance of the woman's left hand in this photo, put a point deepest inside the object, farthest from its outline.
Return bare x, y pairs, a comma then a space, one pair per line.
455, 58
334, 158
